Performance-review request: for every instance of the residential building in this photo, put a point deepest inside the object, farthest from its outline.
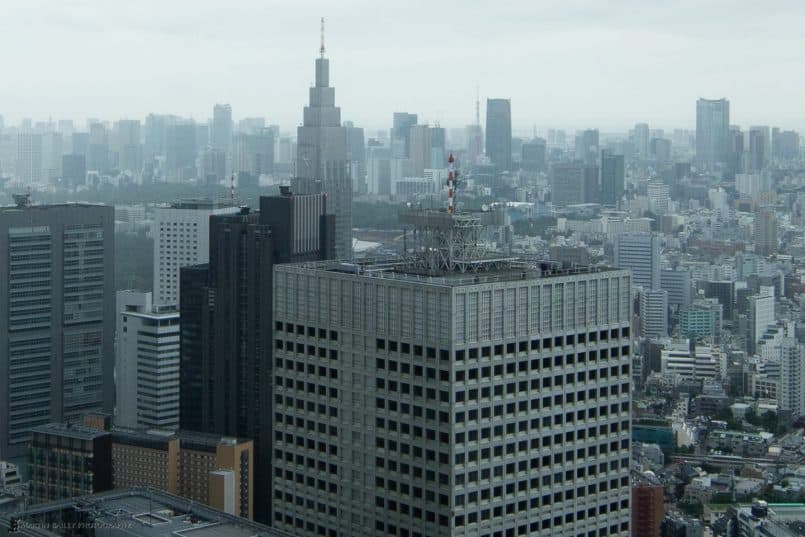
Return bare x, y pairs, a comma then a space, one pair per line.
648, 507
761, 316
653, 313
56, 298
792, 387
765, 231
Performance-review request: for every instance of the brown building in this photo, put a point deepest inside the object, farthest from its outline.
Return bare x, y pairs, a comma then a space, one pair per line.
75, 460
648, 509
68, 460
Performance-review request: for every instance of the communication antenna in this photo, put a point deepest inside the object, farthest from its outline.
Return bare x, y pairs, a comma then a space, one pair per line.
232, 188
452, 179
321, 48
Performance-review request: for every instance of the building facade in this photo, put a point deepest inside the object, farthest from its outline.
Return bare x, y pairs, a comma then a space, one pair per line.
499, 133
640, 253
146, 363
181, 234
448, 404
712, 132
56, 297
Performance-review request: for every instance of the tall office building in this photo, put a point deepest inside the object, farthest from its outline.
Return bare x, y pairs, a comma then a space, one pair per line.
181, 234
253, 153
180, 151
226, 343
735, 151
129, 146
641, 140
574, 183
533, 155
74, 170
648, 507
52, 151
378, 170
221, 128
56, 297
29, 158
792, 387
499, 133
322, 164
447, 396
98, 148
612, 178
356, 156
712, 132
146, 363
765, 231
760, 315
401, 130
785, 144
155, 135
640, 253
759, 148
654, 313
587, 146
419, 150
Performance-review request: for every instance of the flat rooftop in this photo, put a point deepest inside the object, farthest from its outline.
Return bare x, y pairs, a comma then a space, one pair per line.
134, 512
396, 268
70, 430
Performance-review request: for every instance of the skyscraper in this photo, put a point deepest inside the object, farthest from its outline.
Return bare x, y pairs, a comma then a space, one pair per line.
221, 132
420, 148
533, 155
146, 363
180, 151
253, 153
442, 404
29, 158
641, 140
56, 297
322, 164
573, 183
587, 146
765, 231
181, 234
712, 132
653, 313
98, 148
640, 253
401, 130
612, 178
226, 343
499, 133
759, 145
129, 146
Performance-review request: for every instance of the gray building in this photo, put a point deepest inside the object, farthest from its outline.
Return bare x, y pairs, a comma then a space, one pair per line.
573, 183
130, 149
412, 398
221, 128
640, 253
322, 162
678, 284
612, 177
587, 144
56, 294
401, 130
499, 133
712, 132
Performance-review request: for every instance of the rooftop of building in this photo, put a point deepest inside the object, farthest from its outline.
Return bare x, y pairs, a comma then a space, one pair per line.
509, 269
142, 512
201, 204
70, 430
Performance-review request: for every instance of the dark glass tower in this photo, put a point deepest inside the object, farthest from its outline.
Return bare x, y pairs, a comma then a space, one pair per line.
612, 174
712, 132
226, 343
499, 133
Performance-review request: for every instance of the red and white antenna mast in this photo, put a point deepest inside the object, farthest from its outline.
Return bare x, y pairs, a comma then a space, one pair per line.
452, 179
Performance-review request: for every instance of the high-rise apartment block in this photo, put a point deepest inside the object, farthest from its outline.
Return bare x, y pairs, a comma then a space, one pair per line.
451, 394
146, 363
56, 300
499, 133
712, 132
181, 234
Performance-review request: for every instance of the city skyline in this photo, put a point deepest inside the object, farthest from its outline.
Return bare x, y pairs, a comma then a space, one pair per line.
654, 60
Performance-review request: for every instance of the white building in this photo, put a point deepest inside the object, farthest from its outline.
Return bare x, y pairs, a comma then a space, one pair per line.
181, 238
761, 316
654, 313
146, 363
703, 363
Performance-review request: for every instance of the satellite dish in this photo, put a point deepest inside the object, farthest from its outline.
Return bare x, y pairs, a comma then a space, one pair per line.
484, 207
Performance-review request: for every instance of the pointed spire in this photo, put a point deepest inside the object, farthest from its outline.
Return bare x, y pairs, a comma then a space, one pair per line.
321, 49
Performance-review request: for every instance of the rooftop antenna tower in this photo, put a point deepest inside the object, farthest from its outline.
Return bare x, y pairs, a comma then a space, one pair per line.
321, 48
232, 188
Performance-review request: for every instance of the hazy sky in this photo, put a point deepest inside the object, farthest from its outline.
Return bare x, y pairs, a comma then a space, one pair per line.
564, 63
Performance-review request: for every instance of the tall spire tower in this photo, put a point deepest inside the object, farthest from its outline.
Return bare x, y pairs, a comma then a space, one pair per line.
322, 164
